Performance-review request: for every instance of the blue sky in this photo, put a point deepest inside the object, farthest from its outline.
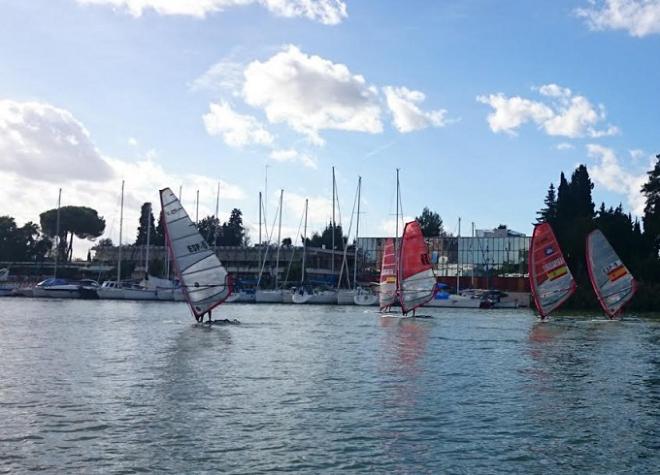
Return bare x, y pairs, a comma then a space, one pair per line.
480, 104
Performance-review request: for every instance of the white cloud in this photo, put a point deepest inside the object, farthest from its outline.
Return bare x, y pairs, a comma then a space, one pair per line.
319, 212
564, 146
566, 115
43, 148
311, 94
237, 130
638, 17
292, 155
403, 103
47, 143
224, 76
328, 12
609, 173
388, 226
132, 141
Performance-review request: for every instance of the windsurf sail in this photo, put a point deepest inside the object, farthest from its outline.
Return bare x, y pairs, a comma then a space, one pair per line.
612, 281
416, 278
550, 278
388, 275
205, 281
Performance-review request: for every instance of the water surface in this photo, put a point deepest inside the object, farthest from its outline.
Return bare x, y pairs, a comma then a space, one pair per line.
127, 387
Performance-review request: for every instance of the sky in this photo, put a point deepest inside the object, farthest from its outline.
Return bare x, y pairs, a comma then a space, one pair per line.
480, 105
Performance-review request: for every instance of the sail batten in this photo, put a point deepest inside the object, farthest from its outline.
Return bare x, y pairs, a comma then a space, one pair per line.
612, 281
204, 280
550, 278
416, 277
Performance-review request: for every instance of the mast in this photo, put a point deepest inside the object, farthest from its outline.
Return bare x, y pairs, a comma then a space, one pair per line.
396, 234
259, 230
217, 210
146, 259
333, 222
472, 255
357, 234
180, 193
197, 208
302, 280
279, 241
121, 228
57, 232
458, 257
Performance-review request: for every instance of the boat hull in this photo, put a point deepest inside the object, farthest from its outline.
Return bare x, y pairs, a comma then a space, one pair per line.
454, 302
268, 296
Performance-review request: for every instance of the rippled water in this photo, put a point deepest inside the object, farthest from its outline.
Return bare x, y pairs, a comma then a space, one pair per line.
121, 387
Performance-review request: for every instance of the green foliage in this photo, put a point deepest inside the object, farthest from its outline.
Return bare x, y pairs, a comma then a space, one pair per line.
287, 242
230, 233
325, 238
549, 213
431, 223
23, 243
146, 225
79, 221
651, 191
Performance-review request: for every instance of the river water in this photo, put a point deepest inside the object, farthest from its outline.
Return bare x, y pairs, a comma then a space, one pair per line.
128, 387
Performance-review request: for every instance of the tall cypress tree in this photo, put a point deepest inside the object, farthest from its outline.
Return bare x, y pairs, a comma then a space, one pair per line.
651, 191
146, 221
549, 213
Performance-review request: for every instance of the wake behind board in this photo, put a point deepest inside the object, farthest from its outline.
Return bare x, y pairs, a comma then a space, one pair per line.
224, 321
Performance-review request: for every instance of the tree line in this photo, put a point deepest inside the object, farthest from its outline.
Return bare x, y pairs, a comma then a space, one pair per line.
570, 210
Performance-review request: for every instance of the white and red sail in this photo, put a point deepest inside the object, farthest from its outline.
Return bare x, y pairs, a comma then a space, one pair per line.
388, 276
416, 278
550, 278
205, 281
612, 281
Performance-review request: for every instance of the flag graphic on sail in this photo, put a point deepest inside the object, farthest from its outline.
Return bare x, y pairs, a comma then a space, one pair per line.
388, 285
612, 281
550, 278
416, 278
205, 281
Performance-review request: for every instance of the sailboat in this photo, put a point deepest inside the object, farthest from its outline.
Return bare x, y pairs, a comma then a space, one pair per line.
416, 278
206, 284
612, 281
550, 279
273, 295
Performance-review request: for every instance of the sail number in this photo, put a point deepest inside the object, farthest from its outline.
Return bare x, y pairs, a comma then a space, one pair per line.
201, 246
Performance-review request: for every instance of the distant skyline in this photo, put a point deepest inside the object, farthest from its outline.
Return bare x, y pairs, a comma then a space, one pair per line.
480, 104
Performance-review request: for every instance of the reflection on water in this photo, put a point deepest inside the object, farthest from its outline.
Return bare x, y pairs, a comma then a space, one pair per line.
126, 387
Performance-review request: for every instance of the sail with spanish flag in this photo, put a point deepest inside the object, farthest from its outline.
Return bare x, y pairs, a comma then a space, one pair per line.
388, 276
612, 281
550, 278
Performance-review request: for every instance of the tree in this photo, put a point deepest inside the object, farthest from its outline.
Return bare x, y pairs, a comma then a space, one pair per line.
233, 232
23, 243
549, 212
286, 242
211, 230
81, 221
146, 224
158, 237
431, 223
324, 239
651, 219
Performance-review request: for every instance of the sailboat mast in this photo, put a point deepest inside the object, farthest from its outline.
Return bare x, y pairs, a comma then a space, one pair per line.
302, 280
121, 229
333, 222
217, 210
279, 241
146, 259
57, 232
180, 193
458, 257
357, 234
197, 208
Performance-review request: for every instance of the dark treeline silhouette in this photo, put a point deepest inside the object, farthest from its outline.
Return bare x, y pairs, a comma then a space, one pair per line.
431, 223
570, 210
230, 233
324, 240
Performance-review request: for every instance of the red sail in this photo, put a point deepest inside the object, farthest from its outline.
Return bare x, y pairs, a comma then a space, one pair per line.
417, 281
550, 278
388, 284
